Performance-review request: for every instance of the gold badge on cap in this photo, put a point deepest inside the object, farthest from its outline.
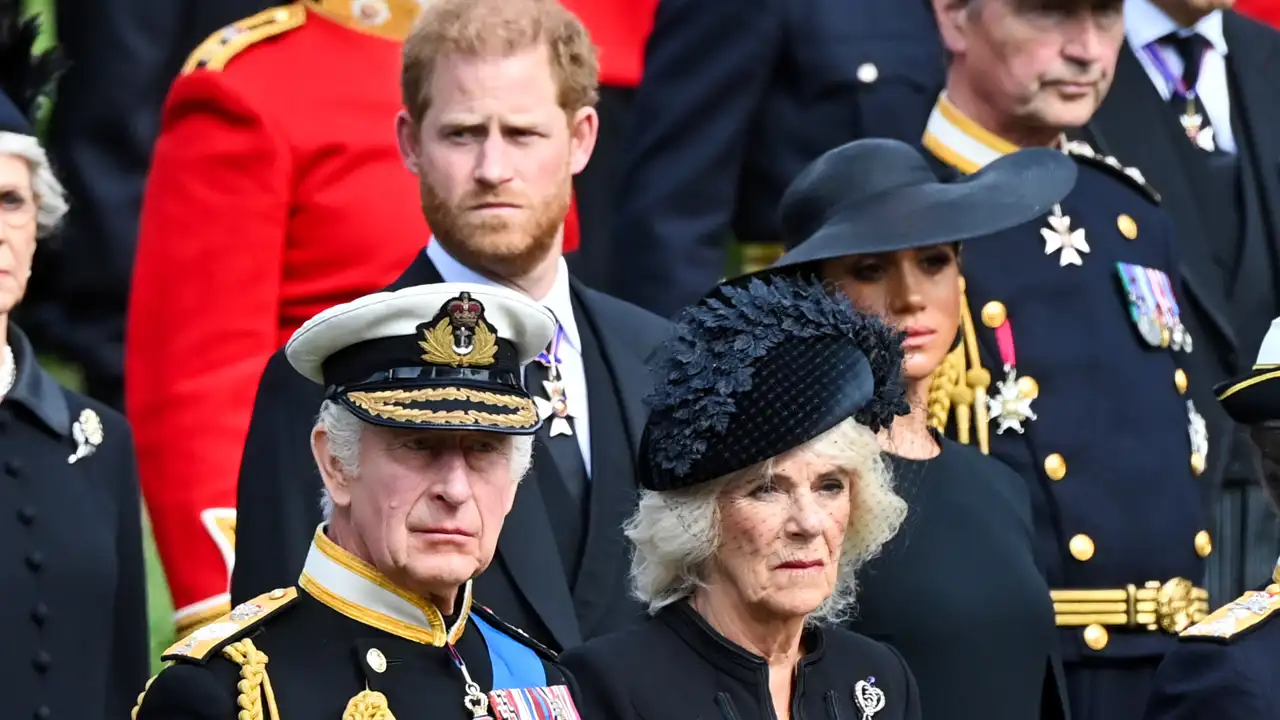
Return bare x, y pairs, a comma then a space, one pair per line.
461, 337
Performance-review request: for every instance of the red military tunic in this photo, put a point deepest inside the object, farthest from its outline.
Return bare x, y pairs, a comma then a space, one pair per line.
276, 190
619, 28
1267, 11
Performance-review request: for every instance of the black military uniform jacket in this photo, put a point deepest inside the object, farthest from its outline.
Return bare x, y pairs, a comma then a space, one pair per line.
1081, 389
1226, 667
73, 604
675, 666
344, 643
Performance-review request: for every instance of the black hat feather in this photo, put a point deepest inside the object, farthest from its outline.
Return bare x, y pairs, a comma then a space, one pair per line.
760, 367
24, 76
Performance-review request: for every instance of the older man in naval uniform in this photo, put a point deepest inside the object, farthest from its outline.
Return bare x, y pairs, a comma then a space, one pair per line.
1074, 347
422, 439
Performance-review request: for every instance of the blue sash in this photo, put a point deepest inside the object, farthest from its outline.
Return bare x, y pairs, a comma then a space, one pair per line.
514, 665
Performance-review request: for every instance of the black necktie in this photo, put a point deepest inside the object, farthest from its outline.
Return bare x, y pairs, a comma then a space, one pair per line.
1191, 111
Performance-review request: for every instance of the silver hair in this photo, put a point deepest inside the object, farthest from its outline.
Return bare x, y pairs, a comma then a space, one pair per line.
343, 430
51, 198
676, 533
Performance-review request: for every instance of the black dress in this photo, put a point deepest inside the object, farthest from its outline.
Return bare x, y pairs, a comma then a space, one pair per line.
73, 610
958, 592
674, 666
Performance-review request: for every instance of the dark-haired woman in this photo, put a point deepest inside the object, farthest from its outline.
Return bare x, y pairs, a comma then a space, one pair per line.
957, 591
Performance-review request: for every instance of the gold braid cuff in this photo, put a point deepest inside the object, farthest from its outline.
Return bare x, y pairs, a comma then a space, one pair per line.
254, 685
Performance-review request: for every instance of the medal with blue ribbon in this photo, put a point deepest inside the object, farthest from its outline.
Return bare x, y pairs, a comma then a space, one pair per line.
556, 404
1180, 338
1192, 121
1142, 305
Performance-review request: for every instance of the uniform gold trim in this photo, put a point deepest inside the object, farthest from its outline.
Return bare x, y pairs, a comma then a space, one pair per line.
1170, 606
200, 643
385, 403
193, 622
959, 386
219, 48
368, 705
435, 635
389, 19
255, 685
1250, 382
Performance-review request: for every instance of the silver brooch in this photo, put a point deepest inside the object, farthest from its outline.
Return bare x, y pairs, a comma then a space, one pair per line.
87, 432
870, 698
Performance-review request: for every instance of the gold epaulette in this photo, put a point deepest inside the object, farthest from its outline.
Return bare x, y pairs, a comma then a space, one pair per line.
205, 641
218, 49
959, 386
1132, 176
1236, 617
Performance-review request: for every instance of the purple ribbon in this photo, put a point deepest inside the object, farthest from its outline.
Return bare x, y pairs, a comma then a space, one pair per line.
1175, 80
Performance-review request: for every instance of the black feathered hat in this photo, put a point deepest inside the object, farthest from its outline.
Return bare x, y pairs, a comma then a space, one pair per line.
877, 195
24, 76
1255, 397
758, 368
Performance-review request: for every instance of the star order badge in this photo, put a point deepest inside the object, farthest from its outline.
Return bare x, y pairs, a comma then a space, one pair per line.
556, 404
1010, 405
1059, 236
87, 432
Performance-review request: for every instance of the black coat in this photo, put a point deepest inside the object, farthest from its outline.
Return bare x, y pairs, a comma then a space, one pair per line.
279, 488
737, 98
73, 602
675, 666
1139, 128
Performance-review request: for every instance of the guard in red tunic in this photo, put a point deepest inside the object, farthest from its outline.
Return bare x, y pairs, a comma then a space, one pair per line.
275, 192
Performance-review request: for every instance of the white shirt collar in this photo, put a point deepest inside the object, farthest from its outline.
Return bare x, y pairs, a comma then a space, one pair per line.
559, 300
1144, 23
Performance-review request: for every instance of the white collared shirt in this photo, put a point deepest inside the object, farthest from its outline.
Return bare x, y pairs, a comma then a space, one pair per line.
560, 302
1144, 24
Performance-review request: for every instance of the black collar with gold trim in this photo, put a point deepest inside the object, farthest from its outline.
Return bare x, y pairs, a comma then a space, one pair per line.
355, 589
390, 19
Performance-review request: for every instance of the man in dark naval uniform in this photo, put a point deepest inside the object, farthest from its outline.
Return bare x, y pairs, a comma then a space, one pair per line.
1074, 349
1228, 666
423, 437
561, 568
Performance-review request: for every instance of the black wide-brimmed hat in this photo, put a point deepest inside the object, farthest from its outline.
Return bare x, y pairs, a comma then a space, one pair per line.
758, 368
24, 76
1255, 398
876, 195
447, 356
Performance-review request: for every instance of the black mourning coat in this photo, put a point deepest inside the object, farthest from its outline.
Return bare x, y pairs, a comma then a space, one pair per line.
73, 608
279, 488
1230, 281
675, 666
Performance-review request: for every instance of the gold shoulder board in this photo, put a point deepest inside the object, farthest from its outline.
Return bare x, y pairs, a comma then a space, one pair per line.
1237, 617
204, 642
218, 49
1084, 152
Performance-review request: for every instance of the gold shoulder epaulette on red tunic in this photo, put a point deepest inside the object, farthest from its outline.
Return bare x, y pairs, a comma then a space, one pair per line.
220, 638
1084, 152
218, 49
1237, 617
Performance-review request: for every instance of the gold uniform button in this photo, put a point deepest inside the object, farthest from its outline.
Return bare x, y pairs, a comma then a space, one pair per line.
1096, 637
1127, 226
377, 661
1028, 386
276, 594
1180, 381
1081, 547
1055, 466
1197, 464
1204, 544
994, 314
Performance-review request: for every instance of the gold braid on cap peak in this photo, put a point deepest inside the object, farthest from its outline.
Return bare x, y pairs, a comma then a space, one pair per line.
959, 386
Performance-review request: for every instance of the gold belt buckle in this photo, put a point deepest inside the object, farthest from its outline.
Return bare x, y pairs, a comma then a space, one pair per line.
1173, 604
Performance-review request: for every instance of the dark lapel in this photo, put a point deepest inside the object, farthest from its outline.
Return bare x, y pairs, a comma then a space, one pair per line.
1135, 125
1252, 61
627, 368
602, 573
420, 272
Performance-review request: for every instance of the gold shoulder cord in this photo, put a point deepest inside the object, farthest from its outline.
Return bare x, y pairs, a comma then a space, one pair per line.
368, 705
254, 684
959, 386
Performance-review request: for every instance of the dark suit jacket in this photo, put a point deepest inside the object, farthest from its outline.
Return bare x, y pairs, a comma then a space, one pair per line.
1136, 125
737, 97
123, 54
279, 491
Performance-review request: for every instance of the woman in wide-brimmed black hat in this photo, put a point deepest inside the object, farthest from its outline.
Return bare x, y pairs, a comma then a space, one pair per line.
958, 591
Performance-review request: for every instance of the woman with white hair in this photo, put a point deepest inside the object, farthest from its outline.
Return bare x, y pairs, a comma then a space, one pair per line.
73, 606
764, 492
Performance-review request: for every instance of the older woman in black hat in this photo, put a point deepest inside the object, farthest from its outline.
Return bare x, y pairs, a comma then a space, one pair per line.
764, 493
72, 604
1227, 667
958, 590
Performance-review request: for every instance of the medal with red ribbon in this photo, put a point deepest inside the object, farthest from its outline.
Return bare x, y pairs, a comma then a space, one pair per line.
1192, 120
1010, 405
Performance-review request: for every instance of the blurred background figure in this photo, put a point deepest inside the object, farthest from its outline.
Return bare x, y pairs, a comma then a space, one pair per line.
73, 608
736, 99
1195, 105
1268, 11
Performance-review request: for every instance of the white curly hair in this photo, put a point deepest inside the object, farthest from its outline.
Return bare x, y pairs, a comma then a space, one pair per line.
51, 198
